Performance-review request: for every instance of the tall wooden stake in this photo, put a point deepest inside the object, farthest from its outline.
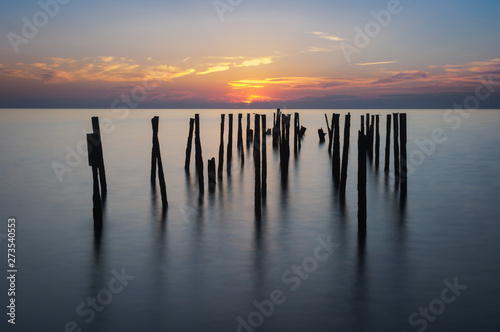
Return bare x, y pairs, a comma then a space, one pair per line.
198, 154
404, 168
387, 144
188, 148
221, 147
361, 182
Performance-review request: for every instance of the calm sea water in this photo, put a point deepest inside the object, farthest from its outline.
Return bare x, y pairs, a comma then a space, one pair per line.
204, 263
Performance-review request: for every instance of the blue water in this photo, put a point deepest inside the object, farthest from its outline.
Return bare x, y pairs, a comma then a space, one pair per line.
202, 265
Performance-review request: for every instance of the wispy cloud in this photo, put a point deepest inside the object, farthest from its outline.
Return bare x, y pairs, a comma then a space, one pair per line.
375, 63
316, 49
326, 36
237, 62
402, 76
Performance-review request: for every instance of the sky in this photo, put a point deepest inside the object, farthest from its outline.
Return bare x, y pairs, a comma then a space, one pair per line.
248, 53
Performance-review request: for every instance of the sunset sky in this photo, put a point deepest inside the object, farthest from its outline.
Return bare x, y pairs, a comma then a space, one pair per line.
251, 54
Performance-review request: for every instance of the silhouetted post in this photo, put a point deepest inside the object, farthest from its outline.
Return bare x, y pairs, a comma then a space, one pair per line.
99, 156
404, 168
370, 137
256, 157
285, 146
377, 141
336, 149
156, 158
396, 146
330, 133
345, 156
249, 131
321, 135
211, 175
295, 132
230, 144
277, 129
367, 133
198, 155
188, 148
264, 157
221, 147
240, 139
361, 182
363, 124
93, 155
387, 144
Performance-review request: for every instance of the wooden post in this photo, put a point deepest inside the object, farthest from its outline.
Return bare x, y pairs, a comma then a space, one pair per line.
361, 182
188, 148
404, 168
367, 133
99, 156
93, 161
396, 146
230, 145
377, 141
345, 156
240, 140
363, 124
249, 131
198, 154
285, 147
387, 144
295, 133
336, 149
211, 175
277, 129
264, 157
372, 134
157, 158
256, 157
330, 133
221, 147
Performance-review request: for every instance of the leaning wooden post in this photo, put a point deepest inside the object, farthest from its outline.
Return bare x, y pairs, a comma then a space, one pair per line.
404, 166
230, 144
377, 140
387, 144
198, 154
211, 175
94, 162
256, 157
188, 148
157, 158
361, 182
221, 147
336, 149
264, 157
345, 156
396, 145
330, 133
99, 156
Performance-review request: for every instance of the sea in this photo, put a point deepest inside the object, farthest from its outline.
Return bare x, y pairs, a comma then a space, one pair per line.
210, 262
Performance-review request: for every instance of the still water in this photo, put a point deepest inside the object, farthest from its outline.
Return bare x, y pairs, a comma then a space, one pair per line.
208, 264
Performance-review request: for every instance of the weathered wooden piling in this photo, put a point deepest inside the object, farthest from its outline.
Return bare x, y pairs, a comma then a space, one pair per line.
396, 145
285, 146
363, 124
230, 145
387, 144
221, 147
277, 128
99, 155
94, 161
240, 140
198, 154
330, 132
264, 157
377, 140
367, 133
404, 166
188, 146
211, 175
361, 182
336, 149
256, 157
249, 131
321, 135
156, 159
296, 130
345, 156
